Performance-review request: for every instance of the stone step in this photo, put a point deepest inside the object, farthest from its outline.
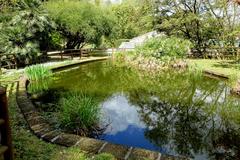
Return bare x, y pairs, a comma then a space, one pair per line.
2, 121
3, 149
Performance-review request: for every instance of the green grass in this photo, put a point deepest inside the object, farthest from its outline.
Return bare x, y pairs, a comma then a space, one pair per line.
79, 112
37, 72
229, 68
104, 156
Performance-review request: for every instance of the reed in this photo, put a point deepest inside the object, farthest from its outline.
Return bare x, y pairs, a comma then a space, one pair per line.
37, 72
79, 113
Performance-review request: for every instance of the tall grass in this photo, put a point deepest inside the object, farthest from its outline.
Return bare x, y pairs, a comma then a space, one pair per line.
37, 72
79, 113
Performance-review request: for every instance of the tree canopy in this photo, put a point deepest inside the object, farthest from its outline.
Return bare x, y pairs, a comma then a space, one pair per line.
199, 21
133, 18
79, 22
24, 29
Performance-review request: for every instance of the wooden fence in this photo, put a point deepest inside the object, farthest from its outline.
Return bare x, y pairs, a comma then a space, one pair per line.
77, 52
224, 52
5, 131
219, 53
70, 53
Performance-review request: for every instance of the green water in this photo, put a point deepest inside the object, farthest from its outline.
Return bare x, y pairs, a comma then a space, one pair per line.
176, 113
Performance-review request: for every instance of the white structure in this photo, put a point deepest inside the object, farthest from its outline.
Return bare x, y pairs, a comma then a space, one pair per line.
138, 40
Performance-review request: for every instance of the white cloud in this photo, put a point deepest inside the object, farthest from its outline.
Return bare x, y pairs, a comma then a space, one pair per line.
121, 114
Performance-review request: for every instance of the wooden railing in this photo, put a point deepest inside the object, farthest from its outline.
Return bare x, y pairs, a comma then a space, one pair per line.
218, 53
5, 130
71, 53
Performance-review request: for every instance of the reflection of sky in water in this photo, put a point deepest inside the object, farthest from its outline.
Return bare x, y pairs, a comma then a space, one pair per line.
126, 128
120, 114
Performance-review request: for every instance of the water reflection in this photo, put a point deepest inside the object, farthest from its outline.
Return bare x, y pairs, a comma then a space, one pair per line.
192, 130
121, 114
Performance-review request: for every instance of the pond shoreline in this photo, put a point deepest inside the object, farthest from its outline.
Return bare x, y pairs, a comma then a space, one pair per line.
234, 90
151, 65
43, 130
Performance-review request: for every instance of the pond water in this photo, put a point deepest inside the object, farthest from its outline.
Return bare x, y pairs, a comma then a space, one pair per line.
176, 113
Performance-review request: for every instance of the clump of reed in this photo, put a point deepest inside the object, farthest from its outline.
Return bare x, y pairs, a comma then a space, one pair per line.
79, 113
37, 72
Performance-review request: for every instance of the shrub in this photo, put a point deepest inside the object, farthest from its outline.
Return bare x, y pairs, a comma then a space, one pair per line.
160, 47
37, 72
79, 113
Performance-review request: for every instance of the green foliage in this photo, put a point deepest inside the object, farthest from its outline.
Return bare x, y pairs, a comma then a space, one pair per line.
79, 112
56, 40
37, 72
164, 47
199, 21
80, 22
132, 19
25, 32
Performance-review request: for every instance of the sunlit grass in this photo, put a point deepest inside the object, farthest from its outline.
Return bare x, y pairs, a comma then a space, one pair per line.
229, 68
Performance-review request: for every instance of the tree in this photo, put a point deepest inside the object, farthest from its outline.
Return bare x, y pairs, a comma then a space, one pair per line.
25, 31
132, 18
198, 21
79, 22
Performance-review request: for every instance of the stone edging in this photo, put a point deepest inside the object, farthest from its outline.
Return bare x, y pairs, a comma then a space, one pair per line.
41, 128
55, 69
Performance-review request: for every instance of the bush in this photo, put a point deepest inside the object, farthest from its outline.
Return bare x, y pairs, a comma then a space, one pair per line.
160, 47
37, 72
79, 113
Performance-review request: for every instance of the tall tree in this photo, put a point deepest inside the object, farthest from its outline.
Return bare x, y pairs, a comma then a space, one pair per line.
197, 20
80, 22
133, 18
25, 32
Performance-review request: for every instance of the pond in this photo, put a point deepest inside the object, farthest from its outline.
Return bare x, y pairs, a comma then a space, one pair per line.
176, 113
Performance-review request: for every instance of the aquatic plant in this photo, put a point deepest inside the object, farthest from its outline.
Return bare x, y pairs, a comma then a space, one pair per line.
37, 72
79, 113
39, 86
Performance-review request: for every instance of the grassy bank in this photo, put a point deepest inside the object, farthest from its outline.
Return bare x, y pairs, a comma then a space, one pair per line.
229, 68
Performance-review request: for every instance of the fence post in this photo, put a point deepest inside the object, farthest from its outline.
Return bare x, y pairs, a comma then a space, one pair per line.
5, 130
61, 53
80, 53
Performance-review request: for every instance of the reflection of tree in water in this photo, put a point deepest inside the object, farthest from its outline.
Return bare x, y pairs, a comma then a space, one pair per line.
188, 125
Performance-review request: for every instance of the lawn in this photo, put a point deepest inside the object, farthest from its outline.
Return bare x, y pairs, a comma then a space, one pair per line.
229, 68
